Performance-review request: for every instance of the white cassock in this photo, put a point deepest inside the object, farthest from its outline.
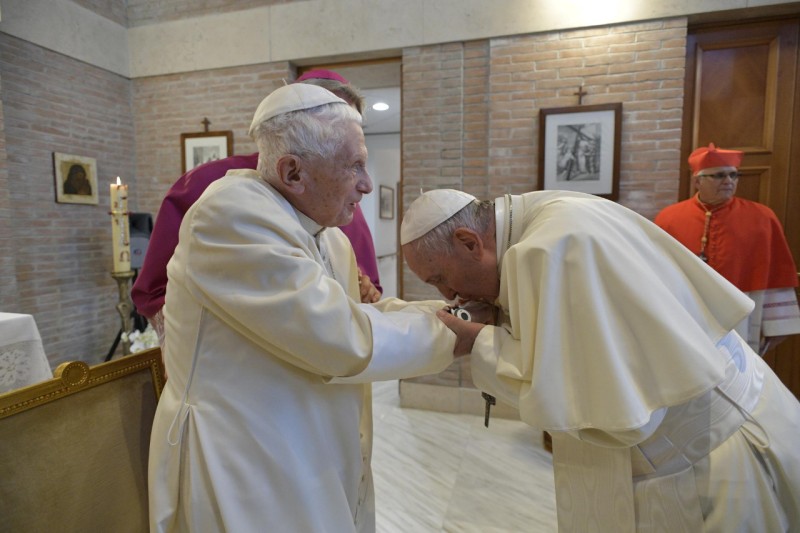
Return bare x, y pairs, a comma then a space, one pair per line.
618, 341
775, 314
265, 421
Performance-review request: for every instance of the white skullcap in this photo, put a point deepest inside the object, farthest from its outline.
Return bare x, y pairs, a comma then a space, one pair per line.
289, 98
430, 210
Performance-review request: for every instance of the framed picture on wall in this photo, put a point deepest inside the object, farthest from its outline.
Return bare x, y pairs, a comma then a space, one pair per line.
386, 202
199, 148
76, 179
579, 149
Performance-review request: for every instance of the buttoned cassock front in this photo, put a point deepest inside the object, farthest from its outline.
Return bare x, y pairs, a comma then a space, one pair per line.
265, 420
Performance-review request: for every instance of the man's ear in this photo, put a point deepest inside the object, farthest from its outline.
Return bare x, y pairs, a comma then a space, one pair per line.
291, 173
468, 241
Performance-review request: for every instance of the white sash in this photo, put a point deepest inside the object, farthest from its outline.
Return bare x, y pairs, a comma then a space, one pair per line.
594, 485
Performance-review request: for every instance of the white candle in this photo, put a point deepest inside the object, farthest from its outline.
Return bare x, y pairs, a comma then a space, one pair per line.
120, 233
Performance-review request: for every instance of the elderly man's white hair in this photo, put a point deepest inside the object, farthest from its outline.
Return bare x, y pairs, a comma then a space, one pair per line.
299, 119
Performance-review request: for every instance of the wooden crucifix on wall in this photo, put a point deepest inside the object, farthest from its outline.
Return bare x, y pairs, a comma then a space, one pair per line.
580, 94
199, 148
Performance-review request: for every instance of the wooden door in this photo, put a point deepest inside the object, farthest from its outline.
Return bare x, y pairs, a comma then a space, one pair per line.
741, 93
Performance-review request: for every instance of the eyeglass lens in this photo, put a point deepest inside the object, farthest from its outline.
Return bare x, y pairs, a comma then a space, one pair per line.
722, 175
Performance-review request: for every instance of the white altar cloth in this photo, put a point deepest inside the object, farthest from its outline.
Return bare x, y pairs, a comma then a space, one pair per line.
22, 358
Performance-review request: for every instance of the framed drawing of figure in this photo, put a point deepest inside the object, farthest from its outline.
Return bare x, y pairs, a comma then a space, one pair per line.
579, 149
199, 148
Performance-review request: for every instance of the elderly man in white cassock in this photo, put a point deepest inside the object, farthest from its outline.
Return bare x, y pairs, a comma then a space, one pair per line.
620, 342
265, 420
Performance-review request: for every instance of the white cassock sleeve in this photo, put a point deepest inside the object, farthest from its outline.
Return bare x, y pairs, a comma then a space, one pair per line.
263, 275
394, 333
491, 343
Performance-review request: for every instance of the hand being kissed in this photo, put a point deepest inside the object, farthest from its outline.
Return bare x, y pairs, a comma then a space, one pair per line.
480, 314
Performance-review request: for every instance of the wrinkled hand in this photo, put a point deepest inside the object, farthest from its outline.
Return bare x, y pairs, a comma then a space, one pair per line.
466, 332
369, 294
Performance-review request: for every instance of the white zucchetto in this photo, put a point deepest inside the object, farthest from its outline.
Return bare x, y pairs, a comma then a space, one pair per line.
288, 98
430, 210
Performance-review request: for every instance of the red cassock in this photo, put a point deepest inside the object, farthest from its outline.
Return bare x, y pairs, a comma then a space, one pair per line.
745, 243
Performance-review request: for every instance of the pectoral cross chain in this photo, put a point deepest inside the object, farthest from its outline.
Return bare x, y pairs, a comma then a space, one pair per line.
490, 401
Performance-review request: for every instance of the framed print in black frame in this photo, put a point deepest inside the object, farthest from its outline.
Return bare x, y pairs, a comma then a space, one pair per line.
579, 149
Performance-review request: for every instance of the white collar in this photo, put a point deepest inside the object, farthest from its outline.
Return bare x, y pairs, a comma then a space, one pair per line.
314, 229
508, 224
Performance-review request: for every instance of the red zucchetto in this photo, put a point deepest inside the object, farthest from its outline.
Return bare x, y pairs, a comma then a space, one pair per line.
705, 158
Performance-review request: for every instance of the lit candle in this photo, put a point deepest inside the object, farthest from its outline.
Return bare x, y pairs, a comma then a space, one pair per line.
120, 233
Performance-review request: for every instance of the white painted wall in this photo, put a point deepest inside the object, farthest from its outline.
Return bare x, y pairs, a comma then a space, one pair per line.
383, 166
69, 29
316, 29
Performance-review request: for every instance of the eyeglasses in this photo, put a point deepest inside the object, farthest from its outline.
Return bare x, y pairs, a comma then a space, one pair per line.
719, 176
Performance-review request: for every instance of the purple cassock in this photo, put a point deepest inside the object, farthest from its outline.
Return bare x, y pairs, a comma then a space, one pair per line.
151, 283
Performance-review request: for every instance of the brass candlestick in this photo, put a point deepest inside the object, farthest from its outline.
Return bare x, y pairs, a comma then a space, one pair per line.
125, 307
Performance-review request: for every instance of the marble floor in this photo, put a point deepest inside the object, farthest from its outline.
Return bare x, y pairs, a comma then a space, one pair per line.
442, 472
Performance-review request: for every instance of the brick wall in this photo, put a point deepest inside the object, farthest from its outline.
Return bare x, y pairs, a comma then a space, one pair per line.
60, 254
470, 115
640, 65
8, 279
166, 106
56, 258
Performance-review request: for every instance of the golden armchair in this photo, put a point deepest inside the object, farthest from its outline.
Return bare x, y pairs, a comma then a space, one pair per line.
74, 449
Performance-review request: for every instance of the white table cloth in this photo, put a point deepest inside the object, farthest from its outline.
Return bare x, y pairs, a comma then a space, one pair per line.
22, 358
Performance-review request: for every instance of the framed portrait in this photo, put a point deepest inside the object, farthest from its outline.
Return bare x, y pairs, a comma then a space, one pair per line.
579, 149
76, 179
386, 202
199, 148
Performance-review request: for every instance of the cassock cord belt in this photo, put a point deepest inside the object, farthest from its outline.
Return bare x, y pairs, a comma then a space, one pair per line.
488, 398
704, 239
490, 401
